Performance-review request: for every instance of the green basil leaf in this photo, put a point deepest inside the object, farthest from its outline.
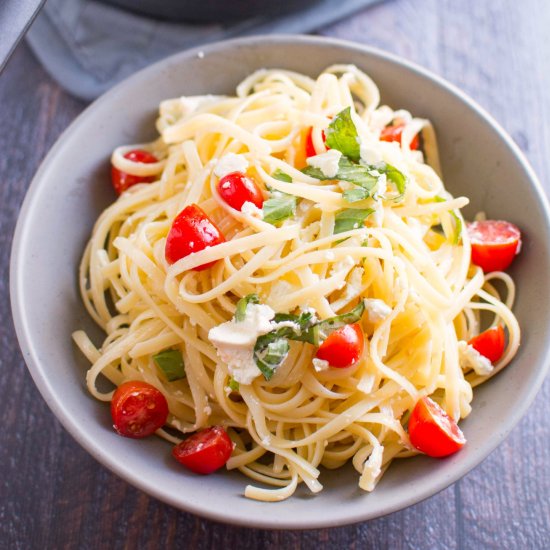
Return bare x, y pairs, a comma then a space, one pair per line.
355, 195
269, 352
281, 176
359, 174
394, 175
170, 362
307, 331
279, 208
342, 135
242, 304
233, 384
331, 324
351, 218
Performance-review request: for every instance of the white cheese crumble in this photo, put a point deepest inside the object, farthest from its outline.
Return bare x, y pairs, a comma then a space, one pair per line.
326, 162
344, 266
320, 364
469, 357
369, 154
250, 209
377, 310
234, 341
230, 163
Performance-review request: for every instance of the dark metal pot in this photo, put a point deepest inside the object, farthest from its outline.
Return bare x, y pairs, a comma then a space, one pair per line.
17, 15
209, 10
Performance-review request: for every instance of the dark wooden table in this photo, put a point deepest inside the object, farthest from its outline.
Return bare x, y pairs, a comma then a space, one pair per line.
54, 495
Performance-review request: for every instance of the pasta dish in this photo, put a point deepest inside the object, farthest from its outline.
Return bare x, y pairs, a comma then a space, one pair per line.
285, 284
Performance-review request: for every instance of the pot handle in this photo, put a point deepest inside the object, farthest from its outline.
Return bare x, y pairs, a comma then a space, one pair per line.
16, 17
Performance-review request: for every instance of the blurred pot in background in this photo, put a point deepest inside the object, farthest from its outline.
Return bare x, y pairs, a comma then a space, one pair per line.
202, 11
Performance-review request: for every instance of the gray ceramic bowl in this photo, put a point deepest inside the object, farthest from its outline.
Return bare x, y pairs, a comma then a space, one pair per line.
72, 187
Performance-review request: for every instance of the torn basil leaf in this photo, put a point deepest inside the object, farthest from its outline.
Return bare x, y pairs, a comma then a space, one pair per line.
170, 362
269, 352
305, 331
342, 135
359, 174
242, 304
395, 176
281, 176
351, 218
355, 195
333, 323
233, 384
279, 208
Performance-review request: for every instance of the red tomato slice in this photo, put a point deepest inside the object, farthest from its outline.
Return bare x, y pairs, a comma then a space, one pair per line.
490, 343
343, 347
237, 188
494, 244
310, 148
432, 431
121, 180
138, 409
206, 451
394, 132
192, 231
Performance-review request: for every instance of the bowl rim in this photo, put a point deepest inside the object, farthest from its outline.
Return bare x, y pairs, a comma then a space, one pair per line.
39, 375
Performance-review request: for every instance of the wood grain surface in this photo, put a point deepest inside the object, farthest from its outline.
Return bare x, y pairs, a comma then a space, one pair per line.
54, 495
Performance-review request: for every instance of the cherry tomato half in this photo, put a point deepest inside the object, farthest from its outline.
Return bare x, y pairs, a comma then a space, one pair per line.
192, 231
394, 132
490, 343
432, 431
310, 148
237, 188
122, 180
138, 409
205, 451
343, 347
494, 244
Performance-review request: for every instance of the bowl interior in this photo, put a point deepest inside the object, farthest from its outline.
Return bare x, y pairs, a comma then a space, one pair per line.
72, 187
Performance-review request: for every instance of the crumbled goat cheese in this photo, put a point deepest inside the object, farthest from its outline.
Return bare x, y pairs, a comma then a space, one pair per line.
320, 364
311, 311
207, 410
230, 163
250, 209
370, 155
469, 357
234, 341
345, 265
377, 310
326, 162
